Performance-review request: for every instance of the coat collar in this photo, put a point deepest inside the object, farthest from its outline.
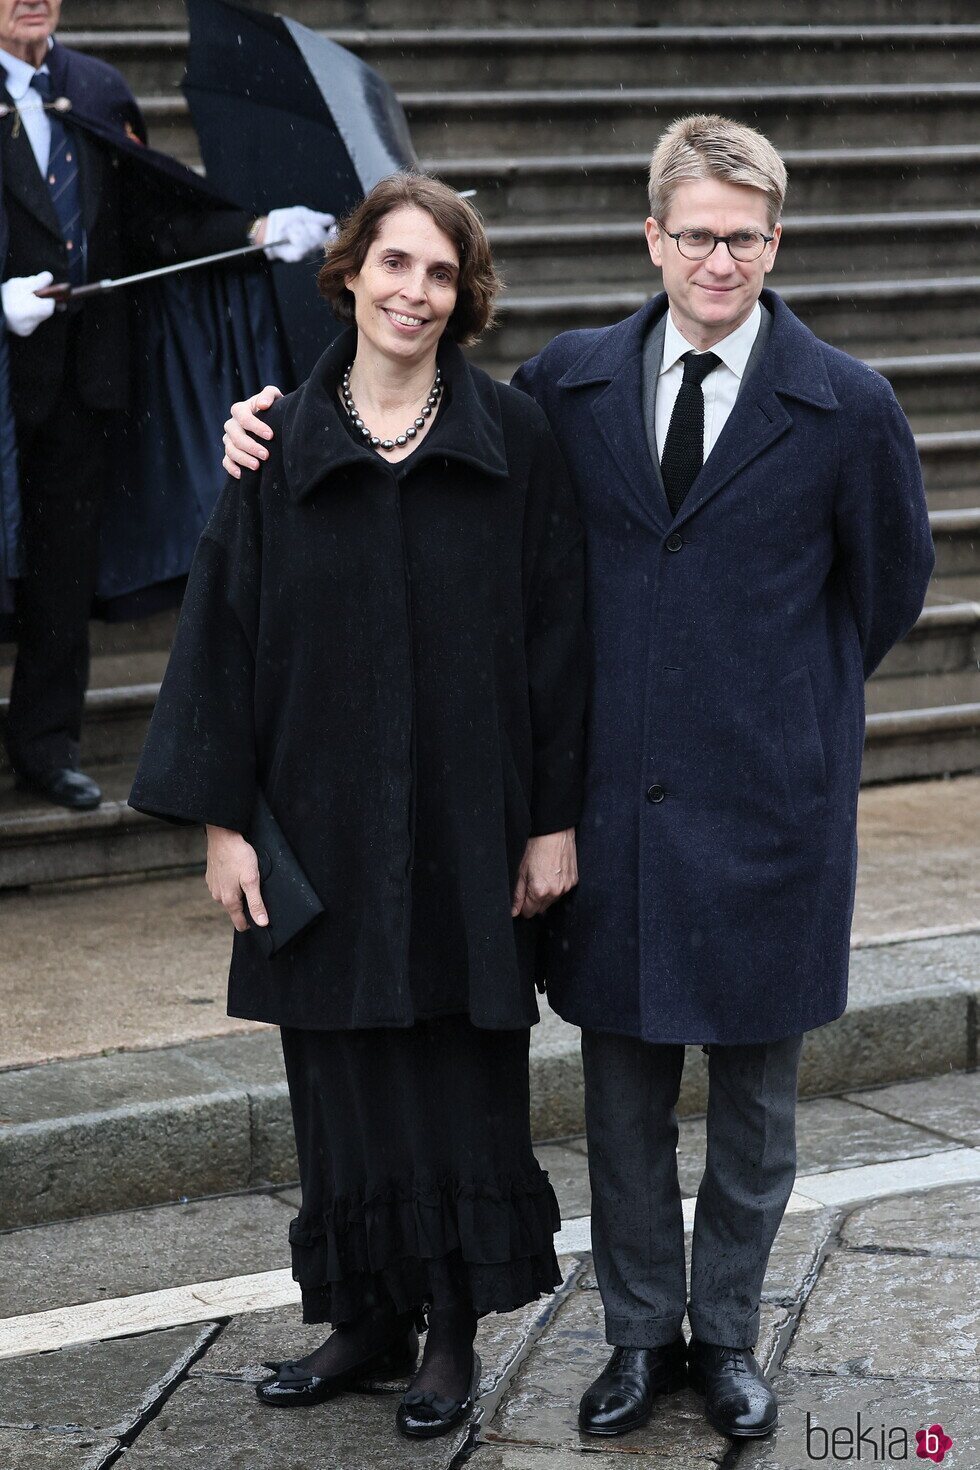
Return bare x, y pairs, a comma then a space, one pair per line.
791, 367
316, 444
793, 361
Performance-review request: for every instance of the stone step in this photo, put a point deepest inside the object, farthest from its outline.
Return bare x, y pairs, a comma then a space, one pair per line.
936, 378
956, 534
608, 253
387, 14
142, 1127
458, 57
938, 664
576, 120
902, 745
609, 186
951, 466
932, 387
41, 843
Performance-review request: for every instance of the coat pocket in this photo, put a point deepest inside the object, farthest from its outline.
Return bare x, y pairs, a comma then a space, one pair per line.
806, 767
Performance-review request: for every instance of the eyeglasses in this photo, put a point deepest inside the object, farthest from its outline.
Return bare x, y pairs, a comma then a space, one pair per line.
699, 244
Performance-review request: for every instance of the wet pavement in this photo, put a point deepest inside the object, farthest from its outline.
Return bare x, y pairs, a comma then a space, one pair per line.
870, 1324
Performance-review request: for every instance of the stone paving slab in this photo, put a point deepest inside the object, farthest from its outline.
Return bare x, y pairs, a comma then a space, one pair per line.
896, 1407
795, 1252
831, 1134
216, 1414
28, 1450
104, 1388
944, 1222
540, 1407
218, 1423
918, 855
145, 965
890, 1316
949, 1104
141, 1250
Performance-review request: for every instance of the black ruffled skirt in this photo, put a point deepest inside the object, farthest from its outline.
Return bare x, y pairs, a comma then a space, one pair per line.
419, 1181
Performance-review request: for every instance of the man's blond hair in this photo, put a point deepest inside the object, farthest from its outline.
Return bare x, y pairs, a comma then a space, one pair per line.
706, 146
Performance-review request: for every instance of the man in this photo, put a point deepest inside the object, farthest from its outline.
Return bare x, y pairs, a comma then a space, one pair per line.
68, 219
757, 540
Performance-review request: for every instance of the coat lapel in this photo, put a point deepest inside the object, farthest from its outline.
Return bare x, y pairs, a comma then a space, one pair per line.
616, 361
21, 176
790, 366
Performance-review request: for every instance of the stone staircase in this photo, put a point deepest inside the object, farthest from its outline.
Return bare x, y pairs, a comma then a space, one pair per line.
550, 111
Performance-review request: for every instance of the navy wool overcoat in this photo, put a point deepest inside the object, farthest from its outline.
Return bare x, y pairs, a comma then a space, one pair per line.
399, 662
717, 847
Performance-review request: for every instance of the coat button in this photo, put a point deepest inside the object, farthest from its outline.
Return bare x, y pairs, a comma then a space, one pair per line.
674, 542
655, 793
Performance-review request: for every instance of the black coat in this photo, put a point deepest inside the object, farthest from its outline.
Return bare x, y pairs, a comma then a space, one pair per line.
399, 662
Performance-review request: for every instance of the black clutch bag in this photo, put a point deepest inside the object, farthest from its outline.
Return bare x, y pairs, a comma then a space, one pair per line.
289, 898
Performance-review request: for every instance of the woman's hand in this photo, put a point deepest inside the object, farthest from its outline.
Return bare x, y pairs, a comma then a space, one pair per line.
548, 869
233, 868
243, 430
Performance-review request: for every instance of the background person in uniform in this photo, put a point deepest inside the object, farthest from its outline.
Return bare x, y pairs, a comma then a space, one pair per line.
67, 220
383, 632
757, 541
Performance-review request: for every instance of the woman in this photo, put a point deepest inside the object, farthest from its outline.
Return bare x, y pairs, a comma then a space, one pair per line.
382, 633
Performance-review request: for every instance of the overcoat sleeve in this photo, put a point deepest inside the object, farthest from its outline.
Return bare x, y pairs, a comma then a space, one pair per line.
882, 521
555, 637
198, 763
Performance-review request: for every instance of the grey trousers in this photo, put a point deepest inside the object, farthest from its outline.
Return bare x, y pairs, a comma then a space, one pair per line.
631, 1090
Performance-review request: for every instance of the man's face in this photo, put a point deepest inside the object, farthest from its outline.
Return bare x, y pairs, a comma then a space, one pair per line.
27, 23
710, 298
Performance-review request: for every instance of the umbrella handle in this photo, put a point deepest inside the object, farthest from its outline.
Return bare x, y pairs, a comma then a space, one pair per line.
61, 292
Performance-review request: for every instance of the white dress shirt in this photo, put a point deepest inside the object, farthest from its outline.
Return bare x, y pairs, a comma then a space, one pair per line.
34, 119
720, 387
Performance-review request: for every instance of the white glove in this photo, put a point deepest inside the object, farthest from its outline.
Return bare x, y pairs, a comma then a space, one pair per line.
299, 232
23, 310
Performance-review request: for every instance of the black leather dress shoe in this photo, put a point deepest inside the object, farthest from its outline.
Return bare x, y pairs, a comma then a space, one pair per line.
427, 1415
64, 787
292, 1387
738, 1400
622, 1396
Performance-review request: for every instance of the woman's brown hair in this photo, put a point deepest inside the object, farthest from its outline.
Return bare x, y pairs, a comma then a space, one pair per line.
478, 282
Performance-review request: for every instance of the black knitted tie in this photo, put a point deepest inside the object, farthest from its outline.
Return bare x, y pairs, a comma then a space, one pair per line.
683, 453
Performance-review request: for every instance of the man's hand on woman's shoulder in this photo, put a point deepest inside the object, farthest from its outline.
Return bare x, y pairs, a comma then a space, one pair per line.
244, 430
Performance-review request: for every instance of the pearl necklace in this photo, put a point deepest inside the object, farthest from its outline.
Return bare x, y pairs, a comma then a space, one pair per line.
400, 440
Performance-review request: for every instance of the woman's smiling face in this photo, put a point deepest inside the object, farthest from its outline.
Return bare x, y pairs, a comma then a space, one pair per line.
405, 291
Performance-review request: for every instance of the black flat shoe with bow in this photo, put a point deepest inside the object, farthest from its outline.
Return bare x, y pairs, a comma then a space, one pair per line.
293, 1387
427, 1415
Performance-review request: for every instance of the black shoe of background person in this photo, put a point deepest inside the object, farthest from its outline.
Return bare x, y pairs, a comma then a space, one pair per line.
738, 1399
622, 1396
64, 787
426, 1415
292, 1387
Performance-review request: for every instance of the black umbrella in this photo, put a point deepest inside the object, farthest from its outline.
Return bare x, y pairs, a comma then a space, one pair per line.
286, 116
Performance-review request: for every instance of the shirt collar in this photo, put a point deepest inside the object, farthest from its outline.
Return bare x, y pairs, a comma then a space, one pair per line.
733, 350
19, 73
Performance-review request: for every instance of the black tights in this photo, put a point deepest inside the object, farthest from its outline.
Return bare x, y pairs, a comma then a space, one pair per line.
447, 1359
